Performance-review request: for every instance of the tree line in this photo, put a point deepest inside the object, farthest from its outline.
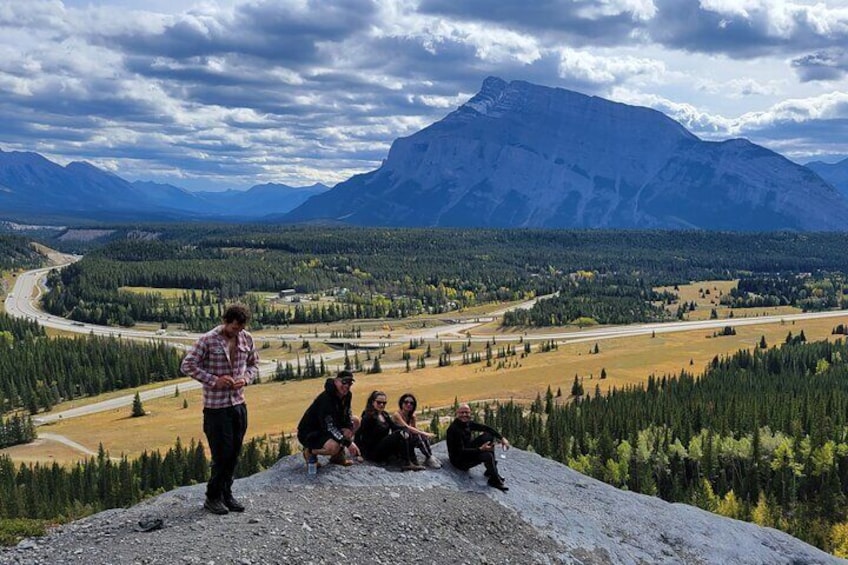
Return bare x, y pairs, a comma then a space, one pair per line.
761, 435
52, 492
403, 272
17, 252
810, 292
597, 299
36, 372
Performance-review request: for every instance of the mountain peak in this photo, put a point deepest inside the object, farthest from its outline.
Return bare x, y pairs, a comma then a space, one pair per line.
523, 155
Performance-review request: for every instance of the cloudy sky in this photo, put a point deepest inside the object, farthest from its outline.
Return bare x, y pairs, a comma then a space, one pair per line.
211, 94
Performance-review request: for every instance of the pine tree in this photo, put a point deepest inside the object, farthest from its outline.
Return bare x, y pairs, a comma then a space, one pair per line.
284, 448
434, 427
137, 407
577, 387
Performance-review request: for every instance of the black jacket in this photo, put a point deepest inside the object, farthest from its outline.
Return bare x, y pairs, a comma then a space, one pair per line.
328, 413
372, 431
458, 437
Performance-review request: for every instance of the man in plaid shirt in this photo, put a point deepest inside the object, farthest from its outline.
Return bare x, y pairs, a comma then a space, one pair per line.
225, 361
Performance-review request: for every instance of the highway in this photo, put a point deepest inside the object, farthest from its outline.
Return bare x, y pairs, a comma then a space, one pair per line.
22, 302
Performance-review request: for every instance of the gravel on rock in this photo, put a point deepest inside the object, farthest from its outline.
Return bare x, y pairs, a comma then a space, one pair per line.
293, 524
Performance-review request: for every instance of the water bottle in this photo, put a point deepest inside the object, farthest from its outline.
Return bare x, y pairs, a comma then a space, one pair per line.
312, 465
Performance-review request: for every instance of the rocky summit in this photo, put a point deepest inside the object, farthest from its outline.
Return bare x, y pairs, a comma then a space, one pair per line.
523, 155
370, 514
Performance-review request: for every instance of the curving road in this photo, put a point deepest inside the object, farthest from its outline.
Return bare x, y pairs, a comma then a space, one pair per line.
21, 302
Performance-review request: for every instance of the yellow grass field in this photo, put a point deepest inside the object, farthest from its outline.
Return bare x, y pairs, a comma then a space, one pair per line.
277, 407
697, 292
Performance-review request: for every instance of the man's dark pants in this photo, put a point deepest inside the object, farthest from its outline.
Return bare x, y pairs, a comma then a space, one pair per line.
224, 429
487, 458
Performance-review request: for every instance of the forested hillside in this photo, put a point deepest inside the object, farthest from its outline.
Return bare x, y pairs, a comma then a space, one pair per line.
16, 252
377, 273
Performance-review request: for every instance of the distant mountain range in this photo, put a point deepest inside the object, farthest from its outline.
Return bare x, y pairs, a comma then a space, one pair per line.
522, 155
515, 155
34, 186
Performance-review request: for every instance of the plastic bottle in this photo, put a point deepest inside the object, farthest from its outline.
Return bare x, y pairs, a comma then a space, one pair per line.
312, 465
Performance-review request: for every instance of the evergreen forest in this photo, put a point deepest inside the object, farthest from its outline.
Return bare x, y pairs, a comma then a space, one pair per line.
37, 372
17, 253
35, 495
605, 276
761, 436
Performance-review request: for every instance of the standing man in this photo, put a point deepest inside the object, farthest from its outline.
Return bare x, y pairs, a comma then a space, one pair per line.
328, 427
466, 452
224, 360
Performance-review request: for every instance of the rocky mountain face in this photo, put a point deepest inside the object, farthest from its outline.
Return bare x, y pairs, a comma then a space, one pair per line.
369, 514
834, 173
33, 185
522, 155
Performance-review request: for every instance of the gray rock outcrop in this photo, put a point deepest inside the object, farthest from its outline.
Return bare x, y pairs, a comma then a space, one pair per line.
369, 514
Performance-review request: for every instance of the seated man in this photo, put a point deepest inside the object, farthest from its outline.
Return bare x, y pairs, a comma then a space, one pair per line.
466, 452
328, 426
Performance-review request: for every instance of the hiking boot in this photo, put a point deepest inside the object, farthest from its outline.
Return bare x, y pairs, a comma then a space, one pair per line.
340, 459
232, 504
215, 506
432, 462
487, 474
412, 466
498, 484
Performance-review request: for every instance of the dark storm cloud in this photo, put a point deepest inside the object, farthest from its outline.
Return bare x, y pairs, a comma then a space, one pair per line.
679, 24
822, 65
799, 140
565, 19
779, 28
269, 30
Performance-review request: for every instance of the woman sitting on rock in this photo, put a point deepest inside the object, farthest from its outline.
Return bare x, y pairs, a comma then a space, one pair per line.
405, 418
380, 439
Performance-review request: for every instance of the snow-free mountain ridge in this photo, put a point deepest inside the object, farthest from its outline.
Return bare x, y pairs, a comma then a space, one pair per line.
32, 185
834, 173
523, 155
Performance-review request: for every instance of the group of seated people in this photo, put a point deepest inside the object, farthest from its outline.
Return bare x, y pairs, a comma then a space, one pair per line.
328, 427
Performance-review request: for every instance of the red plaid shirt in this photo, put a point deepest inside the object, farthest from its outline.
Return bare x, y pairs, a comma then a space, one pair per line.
209, 359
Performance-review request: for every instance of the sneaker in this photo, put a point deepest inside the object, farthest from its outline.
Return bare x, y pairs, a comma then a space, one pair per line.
498, 484
233, 505
340, 459
215, 506
432, 462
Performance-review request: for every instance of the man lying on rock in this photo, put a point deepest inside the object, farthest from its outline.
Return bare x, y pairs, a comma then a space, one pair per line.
466, 451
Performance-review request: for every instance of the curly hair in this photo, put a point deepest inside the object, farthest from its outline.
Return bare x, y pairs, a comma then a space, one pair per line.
237, 313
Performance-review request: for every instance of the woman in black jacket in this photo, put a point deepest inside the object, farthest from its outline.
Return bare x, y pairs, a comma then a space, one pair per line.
379, 438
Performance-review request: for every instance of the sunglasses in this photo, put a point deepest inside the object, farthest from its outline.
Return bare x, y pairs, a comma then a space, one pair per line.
409, 402
380, 402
